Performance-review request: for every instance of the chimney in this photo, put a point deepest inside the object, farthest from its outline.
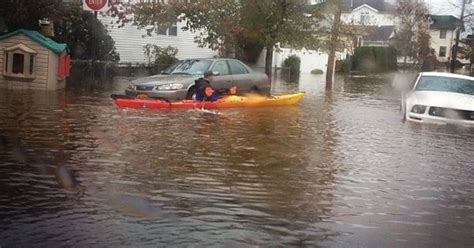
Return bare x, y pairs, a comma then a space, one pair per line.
46, 27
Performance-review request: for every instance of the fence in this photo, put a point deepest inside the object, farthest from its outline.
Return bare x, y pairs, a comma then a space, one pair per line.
91, 72
277, 72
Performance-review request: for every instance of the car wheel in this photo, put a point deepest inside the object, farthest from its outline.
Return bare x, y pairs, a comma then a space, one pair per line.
191, 93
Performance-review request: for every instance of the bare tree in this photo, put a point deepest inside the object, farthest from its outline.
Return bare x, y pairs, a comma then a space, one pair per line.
412, 32
337, 36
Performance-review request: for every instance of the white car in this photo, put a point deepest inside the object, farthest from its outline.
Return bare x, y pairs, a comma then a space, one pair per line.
441, 98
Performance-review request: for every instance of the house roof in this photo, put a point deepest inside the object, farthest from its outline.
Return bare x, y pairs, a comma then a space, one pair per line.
43, 40
367, 6
444, 22
379, 5
381, 33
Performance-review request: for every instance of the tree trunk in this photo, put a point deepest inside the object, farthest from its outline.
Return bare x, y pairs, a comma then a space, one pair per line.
333, 47
269, 62
330, 69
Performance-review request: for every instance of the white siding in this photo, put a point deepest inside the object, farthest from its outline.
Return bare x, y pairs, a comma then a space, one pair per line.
41, 64
130, 40
437, 42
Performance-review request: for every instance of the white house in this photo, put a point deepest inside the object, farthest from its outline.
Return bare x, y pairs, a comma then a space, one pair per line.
129, 40
443, 35
369, 13
376, 16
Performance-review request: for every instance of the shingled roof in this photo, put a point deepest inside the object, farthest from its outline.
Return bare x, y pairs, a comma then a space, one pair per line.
444, 22
381, 33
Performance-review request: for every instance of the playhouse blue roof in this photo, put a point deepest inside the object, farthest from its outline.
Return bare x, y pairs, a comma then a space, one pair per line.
43, 40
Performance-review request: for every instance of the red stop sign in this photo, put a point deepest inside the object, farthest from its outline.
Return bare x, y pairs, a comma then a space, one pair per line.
96, 5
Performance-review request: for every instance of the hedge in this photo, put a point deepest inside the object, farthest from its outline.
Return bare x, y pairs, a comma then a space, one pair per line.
375, 59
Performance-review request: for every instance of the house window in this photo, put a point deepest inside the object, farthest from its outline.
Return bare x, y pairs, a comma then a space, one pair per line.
364, 18
168, 30
442, 51
162, 30
442, 34
18, 63
173, 30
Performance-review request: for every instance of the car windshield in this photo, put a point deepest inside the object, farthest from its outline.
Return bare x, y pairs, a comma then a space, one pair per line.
192, 67
171, 68
456, 85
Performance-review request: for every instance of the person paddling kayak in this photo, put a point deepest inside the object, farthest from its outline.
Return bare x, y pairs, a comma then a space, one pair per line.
205, 92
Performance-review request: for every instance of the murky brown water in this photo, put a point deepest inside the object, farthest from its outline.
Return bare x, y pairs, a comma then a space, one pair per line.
337, 170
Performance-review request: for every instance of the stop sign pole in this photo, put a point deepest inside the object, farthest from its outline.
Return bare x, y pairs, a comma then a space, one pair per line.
95, 6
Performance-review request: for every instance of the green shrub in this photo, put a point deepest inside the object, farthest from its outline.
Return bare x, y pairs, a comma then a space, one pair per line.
160, 58
375, 59
346, 65
317, 71
293, 64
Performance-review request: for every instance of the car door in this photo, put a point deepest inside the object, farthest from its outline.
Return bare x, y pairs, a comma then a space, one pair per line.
225, 79
241, 76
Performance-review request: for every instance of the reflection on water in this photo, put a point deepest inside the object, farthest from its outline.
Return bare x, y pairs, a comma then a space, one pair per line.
341, 169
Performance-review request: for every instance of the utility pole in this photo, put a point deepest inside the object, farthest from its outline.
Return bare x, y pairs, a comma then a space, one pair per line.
458, 34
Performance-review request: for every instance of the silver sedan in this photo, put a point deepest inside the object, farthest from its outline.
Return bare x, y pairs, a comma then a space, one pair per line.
177, 82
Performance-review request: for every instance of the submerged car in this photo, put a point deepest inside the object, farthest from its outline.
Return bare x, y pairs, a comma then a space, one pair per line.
442, 98
177, 82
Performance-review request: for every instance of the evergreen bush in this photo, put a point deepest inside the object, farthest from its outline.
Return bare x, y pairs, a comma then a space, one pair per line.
293, 64
375, 59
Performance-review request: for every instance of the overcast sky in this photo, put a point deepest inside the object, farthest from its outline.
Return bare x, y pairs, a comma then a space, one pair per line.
445, 7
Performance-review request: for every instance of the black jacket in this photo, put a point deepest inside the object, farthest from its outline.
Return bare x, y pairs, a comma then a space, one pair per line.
201, 84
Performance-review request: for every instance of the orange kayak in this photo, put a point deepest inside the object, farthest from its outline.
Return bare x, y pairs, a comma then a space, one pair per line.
226, 102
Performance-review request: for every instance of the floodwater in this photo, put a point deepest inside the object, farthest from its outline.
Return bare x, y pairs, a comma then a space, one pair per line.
338, 170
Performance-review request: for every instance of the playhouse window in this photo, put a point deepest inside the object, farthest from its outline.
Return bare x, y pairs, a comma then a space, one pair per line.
18, 63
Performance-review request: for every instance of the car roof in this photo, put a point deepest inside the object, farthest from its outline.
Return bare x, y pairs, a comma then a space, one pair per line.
446, 74
212, 59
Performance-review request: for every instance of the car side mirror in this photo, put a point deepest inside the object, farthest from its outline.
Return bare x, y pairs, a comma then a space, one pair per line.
216, 73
